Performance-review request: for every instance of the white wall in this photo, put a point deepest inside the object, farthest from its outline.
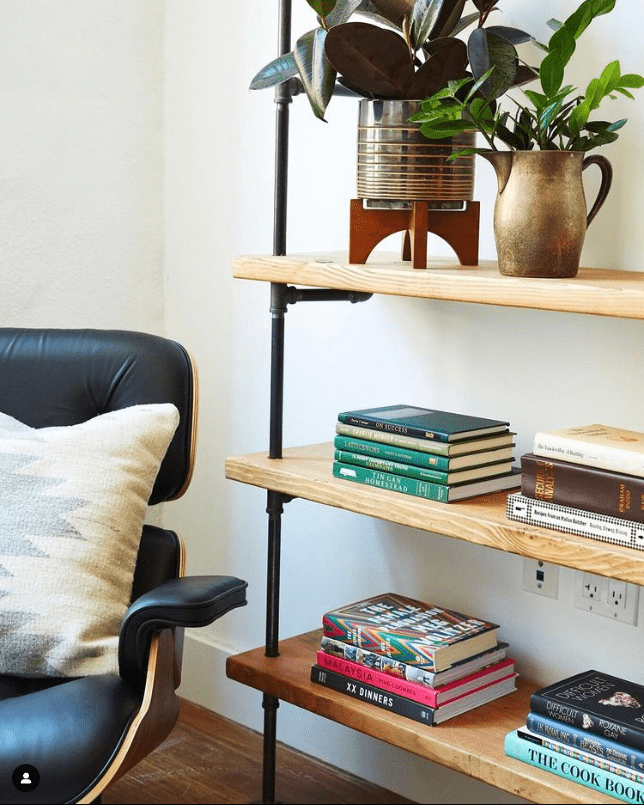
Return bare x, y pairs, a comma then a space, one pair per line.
103, 188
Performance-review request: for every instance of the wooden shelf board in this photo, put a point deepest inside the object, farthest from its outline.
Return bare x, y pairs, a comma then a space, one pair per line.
602, 292
305, 472
471, 743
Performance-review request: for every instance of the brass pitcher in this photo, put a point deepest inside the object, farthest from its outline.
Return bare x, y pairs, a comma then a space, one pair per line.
540, 218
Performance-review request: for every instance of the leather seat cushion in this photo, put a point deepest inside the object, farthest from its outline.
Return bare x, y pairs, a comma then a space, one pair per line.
75, 725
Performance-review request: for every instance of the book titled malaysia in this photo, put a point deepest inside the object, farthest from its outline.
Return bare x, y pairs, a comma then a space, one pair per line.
576, 770
604, 748
418, 458
407, 707
409, 630
423, 473
580, 486
432, 697
430, 490
596, 445
424, 423
585, 757
599, 703
445, 449
571, 520
413, 673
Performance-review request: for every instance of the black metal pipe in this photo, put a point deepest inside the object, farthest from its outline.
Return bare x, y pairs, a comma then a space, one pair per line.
270, 705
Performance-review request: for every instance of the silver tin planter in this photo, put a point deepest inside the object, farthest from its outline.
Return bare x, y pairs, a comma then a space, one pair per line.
397, 165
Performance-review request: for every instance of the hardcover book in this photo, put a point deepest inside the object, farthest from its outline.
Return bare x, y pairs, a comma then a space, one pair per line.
424, 423
407, 707
580, 486
426, 445
413, 673
575, 521
575, 770
426, 489
599, 703
432, 697
423, 473
605, 748
410, 631
585, 757
596, 445
418, 458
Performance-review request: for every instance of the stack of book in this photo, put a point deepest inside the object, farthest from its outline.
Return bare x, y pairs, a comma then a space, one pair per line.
590, 729
432, 454
414, 659
587, 480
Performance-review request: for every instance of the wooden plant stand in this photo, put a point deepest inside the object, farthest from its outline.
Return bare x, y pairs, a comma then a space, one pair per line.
460, 228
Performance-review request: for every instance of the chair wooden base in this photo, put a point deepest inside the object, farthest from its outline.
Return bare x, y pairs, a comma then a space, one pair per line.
460, 228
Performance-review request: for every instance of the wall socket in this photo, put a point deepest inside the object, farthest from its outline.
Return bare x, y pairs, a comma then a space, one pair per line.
540, 577
608, 597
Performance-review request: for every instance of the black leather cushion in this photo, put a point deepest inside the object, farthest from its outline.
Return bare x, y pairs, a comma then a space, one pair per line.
75, 726
158, 560
63, 377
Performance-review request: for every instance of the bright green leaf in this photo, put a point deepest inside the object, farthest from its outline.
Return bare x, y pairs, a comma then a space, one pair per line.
551, 74
322, 7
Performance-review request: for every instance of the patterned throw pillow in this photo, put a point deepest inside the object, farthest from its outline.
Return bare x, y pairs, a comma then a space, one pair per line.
72, 504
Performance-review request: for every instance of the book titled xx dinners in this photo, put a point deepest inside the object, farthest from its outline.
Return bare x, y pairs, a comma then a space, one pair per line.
411, 631
425, 423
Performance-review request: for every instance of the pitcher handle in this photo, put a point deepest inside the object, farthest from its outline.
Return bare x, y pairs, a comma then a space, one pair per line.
607, 179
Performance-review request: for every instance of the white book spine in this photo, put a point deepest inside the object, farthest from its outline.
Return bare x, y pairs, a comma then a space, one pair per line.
594, 455
575, 521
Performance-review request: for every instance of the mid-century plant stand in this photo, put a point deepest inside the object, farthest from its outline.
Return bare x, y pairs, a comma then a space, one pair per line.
472, 743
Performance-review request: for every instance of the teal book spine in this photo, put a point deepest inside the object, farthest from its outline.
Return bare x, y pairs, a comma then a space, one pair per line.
376, 463
575, 770
391, 452
387, 480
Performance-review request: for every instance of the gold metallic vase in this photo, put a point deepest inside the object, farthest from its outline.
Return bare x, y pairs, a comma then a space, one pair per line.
540, 215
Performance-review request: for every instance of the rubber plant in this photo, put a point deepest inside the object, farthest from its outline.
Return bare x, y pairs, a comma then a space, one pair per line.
555, 119
408, 49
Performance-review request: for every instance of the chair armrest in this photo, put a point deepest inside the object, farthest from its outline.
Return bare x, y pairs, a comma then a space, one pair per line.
191, 601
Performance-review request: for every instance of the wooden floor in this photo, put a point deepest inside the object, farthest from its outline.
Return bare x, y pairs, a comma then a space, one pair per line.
209, 759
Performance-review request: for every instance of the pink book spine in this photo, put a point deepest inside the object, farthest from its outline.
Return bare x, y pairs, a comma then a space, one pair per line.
411, 690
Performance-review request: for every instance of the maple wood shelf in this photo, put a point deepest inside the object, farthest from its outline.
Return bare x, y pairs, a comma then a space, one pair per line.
471, 743
600, 292
306, 472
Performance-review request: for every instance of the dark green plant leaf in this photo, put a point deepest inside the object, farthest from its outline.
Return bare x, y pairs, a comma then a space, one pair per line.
322, 7
424, 15
449, 63
342, 11
551, 74
394, 10
486, 50
484, 5
373, 59
562, 44
447, 128
478, 52
525, 75
275, 72
464, 23
448, 19
316, 73
514, 35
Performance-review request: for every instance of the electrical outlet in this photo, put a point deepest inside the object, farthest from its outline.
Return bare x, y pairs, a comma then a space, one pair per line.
608, 597
540, 577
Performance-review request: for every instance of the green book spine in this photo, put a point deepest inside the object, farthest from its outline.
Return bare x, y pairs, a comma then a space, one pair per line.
375, 463
388, 480
392, 453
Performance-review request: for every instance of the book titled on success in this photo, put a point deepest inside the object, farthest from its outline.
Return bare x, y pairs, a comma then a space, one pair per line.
426, 423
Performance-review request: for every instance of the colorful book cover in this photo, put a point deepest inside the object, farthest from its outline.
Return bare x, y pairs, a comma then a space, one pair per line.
575, 770
556, 481
598, 703
605, 748
413, 673
423, 473
596, 445
432, 697
575, 521
418, 458
429, 490
410, 631
466, 447
424, 423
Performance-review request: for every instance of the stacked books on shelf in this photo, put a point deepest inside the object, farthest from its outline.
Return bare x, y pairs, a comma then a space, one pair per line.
590, 729
412, 658
432, 454
586, 480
